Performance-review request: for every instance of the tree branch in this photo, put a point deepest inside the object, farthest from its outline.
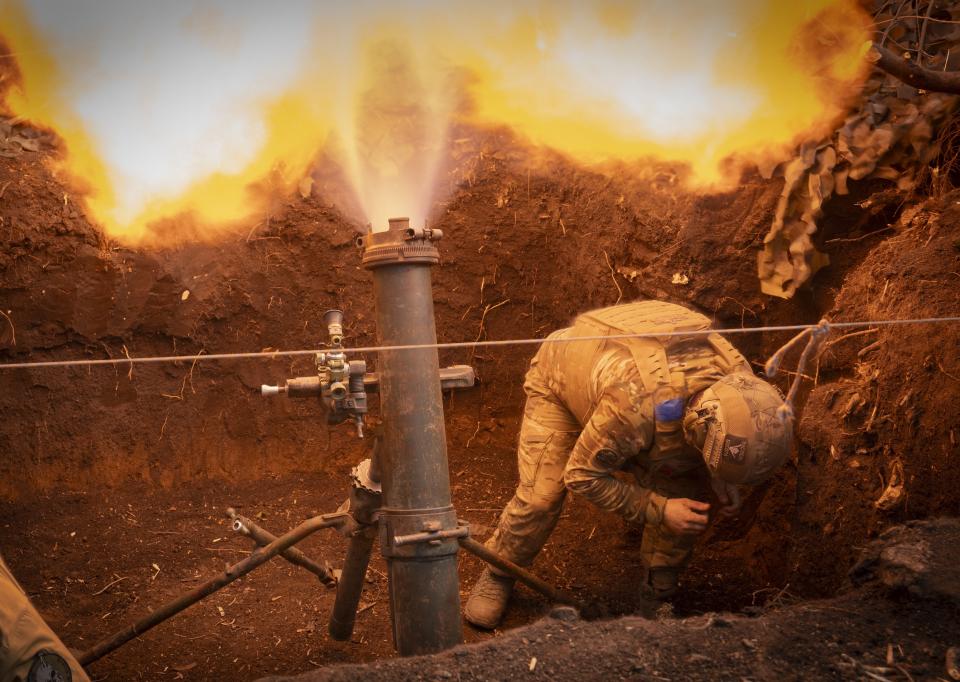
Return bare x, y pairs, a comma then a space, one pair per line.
911, 74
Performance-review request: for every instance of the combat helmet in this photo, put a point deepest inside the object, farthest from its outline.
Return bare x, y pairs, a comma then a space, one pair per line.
744, 439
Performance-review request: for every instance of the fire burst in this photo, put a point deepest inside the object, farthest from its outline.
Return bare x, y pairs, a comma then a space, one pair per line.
198, 113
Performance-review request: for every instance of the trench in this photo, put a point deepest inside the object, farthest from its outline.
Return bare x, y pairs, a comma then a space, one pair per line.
114, 481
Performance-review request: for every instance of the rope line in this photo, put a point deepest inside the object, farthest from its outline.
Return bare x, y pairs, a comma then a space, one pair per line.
202, 357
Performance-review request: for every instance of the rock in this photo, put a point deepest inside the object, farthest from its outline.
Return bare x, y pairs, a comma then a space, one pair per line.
564, 613
953, 663
921, 558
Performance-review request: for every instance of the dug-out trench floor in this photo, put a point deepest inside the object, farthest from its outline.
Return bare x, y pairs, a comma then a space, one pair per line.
94, 562
901, 621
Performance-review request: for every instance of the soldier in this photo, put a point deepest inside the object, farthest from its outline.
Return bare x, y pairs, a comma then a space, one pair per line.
29, 651
684, 414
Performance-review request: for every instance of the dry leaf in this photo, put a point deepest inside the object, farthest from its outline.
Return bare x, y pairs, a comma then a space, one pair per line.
894, 495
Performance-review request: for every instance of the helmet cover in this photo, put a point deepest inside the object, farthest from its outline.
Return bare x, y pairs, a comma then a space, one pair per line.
745, 441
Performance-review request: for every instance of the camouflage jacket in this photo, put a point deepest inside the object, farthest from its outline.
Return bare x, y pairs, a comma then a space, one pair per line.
609, 385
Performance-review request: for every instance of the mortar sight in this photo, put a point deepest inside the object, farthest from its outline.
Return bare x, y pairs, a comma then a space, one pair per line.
338, 390
334, 321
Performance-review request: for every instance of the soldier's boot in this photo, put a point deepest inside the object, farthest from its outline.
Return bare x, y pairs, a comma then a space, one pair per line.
659, 586
488, 599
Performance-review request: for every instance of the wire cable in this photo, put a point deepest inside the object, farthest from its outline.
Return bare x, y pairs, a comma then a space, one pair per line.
270, 355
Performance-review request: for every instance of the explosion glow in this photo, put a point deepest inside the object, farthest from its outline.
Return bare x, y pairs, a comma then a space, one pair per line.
199, 111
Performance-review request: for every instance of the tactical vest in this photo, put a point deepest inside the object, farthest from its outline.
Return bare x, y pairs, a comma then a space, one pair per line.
650, 353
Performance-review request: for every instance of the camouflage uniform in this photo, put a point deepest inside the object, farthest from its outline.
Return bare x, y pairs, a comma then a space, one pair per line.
590, 414
28, 648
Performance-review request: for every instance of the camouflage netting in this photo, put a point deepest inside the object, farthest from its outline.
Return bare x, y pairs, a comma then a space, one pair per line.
891, 137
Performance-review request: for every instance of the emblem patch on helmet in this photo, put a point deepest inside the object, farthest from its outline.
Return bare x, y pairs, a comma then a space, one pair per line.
735, 449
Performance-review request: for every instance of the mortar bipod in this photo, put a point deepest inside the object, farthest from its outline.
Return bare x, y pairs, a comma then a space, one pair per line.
349, 587
363, 506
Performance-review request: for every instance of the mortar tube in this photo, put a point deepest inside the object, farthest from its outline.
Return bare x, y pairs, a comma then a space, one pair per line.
423, 582
260, 556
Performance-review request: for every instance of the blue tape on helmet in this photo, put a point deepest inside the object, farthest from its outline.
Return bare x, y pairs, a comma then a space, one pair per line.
669, 410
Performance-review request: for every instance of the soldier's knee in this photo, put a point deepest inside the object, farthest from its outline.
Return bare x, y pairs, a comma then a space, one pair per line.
535, 504
579, 484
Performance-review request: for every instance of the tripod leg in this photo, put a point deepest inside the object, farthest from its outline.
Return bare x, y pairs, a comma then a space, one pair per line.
351, 584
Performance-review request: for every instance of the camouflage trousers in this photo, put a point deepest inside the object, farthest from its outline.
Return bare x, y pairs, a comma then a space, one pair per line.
665, 555
547, 436
28, 647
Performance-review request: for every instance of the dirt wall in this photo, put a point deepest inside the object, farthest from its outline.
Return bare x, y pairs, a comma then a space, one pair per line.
526, 249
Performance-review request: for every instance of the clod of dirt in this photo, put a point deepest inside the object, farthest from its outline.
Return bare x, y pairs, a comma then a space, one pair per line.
922, 557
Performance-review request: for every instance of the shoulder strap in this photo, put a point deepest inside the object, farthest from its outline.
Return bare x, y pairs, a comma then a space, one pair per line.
649, 355
730, 356
650, 317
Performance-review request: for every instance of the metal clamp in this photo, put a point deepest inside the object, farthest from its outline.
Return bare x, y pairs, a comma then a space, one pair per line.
433, 536
421, 532
430, 234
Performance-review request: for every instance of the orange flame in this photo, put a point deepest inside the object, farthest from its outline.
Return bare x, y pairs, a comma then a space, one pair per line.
714, 86
626, 80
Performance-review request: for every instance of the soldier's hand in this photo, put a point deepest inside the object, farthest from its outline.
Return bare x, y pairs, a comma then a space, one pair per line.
683, 516
728, 495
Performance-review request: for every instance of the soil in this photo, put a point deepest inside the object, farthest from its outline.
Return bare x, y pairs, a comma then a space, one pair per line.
899, 625
113, 474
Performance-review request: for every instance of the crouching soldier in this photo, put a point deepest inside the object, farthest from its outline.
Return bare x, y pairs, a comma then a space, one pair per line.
29, 651
684, 413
